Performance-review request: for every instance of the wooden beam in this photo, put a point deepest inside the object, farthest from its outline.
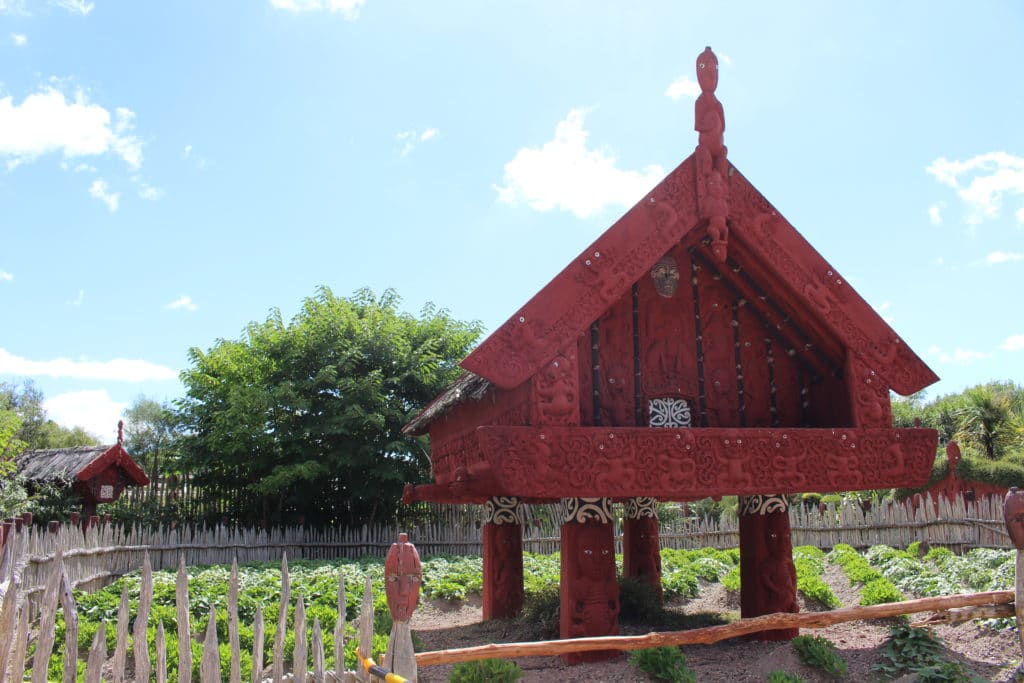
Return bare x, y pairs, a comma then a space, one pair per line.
712, 634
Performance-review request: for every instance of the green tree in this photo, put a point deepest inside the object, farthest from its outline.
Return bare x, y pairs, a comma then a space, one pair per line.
37, 430
304, 419
987, 418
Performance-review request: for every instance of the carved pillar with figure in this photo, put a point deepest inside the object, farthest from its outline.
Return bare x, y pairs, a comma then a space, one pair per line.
589, 590
767, 572
641, 546
503, 557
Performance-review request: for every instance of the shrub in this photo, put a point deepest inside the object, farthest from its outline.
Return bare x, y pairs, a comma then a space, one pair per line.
783, 677
486, 671
821, 653
663, 664
879, 591
638, 601
918, 651
732, 580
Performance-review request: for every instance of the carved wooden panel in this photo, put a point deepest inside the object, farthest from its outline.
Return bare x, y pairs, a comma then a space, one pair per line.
686, 464
615, 349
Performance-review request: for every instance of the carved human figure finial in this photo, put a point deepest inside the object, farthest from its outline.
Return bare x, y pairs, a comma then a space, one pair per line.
712, 168
120, 432
403, 573
952, 454
1013, 513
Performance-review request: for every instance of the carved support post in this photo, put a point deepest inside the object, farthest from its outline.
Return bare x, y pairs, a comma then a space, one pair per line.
503, 558
589, 591
1013, 514
767, 572
870, 406
641, 546
403, 574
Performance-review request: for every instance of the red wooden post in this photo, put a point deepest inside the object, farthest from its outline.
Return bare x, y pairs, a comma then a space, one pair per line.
641, 545
75, 518
94, 520
53, 526
767, 573
503, 558
589, 591
27, 518
18, 523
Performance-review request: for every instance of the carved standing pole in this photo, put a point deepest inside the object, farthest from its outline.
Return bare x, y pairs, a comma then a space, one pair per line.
503, 558
589, 591
767, 572
641, 545
403, 574
1013, 513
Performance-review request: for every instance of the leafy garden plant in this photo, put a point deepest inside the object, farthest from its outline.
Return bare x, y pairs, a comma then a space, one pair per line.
663, 664
918, 651
820, 653
486, 671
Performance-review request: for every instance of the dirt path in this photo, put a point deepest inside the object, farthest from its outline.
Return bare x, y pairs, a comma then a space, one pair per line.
990, 654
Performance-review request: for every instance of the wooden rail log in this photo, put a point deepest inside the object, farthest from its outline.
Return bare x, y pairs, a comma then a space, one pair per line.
712, 634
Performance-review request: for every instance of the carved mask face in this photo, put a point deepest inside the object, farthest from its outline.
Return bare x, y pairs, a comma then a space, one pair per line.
707, 70
665, 274
402, 575
1013, 513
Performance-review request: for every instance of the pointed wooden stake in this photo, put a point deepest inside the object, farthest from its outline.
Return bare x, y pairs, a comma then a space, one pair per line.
318, 652
282, 620
339, 628
97, 655
140, 643
184, 631
236, 657
257, 646
161, 653
209, 666
300, 655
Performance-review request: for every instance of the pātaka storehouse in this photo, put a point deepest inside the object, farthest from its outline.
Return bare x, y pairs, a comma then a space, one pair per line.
97, 474
700, 347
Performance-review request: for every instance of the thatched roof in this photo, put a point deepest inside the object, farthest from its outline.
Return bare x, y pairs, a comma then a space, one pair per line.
79, 462
468, 387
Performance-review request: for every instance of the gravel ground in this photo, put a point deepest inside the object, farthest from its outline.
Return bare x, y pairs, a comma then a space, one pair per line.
992, 655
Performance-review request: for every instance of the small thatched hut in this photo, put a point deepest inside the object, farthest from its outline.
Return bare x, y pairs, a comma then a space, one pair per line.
98, 474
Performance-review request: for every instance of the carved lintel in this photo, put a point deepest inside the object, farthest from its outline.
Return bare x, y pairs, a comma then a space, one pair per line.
503, 510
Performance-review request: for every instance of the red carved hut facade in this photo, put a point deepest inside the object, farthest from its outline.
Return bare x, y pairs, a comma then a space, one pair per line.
97, 474
700, 347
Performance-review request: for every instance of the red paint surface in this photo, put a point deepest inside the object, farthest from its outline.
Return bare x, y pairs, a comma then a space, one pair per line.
641, 546
767, 572
503, 571
589, 591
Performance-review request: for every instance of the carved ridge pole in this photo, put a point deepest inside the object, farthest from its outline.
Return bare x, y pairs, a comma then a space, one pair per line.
503, 557
641, 544
588, 587
767, 572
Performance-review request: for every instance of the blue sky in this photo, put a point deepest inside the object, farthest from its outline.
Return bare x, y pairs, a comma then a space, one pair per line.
171, 171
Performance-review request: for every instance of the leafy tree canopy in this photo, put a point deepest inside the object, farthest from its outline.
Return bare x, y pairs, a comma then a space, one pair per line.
35, 428
304, 419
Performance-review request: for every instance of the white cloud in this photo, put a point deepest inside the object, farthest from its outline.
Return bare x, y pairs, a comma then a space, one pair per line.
997, 257
101, 191
958, 356
77, 301
565, 174
683, 86
935, 213
117, 370
183, 302
348, 9
77, 6
47, 122
12, 6
19, 39
1013, 343
94, 410
5, 276
982, 181
187, 152
411, 138
725, 59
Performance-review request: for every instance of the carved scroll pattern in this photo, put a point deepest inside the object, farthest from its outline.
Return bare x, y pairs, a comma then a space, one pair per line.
684, 464
762, 505
870, 397
831, 297
641, 507
503, 510
669, 412
581, 509
449, 456
556, 395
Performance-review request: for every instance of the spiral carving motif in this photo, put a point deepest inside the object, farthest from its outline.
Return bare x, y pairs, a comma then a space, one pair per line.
582, 509
638, 508
762, 505
503, 510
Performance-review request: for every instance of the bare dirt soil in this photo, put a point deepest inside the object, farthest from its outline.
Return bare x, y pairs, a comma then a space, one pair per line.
992, 655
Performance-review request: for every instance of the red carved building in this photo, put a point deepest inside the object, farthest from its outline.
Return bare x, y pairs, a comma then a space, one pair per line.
97, 474
700, 347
